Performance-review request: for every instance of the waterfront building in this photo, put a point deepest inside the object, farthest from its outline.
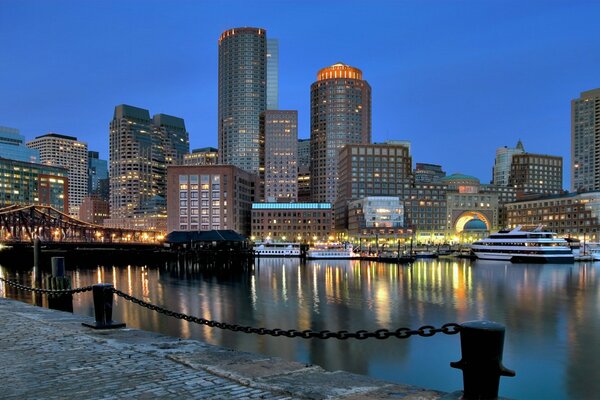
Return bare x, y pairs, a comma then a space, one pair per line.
12, 146
304, 170
466, 200
428, 173
575, 215
378, 220
532, 174
66, 152
94, 210
202, 156
272, 74
293, 222
425, 212
340, 115
503, 162
280, 130
371, 170
210, 197
24, 183
97, 176
242, 96
140, 150
585, 142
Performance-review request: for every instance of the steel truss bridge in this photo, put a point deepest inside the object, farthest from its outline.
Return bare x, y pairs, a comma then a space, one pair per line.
23, 224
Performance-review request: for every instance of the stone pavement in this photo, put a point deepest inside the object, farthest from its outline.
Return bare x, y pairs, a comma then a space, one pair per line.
47, 354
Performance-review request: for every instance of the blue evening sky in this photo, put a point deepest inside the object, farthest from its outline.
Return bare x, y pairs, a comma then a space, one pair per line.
456, 78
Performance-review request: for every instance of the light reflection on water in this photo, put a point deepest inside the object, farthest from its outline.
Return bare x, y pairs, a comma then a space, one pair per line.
552, 314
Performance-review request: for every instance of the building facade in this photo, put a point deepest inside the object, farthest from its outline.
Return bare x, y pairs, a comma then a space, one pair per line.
379, 219
202, 156
280, 130
12, 146
503, 162
585, 142
272, 74
294, 222
532, 174
340, 115
242, 96
94, 210
425, 211
210, 197
25, 183
575, 215
140, 150
97, 176
428, 173
66, 152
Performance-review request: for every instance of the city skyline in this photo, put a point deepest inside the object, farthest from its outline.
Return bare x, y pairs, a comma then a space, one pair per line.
450, 77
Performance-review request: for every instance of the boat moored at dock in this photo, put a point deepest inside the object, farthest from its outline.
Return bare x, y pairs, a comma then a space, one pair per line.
339, 251
524, 246
280, 249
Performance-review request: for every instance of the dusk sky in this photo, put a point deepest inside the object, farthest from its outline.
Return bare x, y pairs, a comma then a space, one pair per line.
456, 78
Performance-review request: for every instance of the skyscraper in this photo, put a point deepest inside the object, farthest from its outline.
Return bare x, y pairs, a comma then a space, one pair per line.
585, 142
242, 96
67, 152
140, 150
502, 163
272, 74
281, 155
340, 115
97, 175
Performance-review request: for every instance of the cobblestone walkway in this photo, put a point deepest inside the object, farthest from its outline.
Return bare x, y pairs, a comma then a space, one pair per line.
47, 354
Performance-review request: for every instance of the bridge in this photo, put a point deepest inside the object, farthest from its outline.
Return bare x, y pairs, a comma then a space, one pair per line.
23, 224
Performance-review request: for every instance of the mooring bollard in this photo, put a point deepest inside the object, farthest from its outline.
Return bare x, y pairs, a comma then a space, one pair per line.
103, 301
481, 343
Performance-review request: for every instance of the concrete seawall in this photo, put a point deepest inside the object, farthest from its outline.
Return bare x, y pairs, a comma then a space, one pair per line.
47, 354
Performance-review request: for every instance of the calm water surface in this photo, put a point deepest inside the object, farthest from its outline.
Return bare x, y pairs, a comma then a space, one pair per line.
551, 313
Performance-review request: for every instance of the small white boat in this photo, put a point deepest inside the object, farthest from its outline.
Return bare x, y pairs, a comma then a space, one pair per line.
332, 251
280, 249
595, 253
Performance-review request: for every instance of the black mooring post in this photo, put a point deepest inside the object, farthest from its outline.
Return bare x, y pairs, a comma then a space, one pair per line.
103, 301
481, 343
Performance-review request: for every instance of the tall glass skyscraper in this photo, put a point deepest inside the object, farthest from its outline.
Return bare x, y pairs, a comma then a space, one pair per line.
272, 74
340, 103
585, 142
242, 96
12, 146
97, 175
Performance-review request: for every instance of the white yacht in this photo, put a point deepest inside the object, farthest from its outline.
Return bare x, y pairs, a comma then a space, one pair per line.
339, 251
281, 249
519, 245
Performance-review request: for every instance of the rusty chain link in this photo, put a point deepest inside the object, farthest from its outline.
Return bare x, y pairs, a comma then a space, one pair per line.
401, 333
46, 291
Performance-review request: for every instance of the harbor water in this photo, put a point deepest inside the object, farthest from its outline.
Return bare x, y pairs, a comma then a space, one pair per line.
551, 313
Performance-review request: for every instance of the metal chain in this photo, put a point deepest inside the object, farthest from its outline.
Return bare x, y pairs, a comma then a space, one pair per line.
47, 291
401, 333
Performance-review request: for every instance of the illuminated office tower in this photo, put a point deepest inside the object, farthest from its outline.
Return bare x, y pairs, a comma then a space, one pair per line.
140, 150
585, 142
340, 115
242, 96
272, 74
203, 156
67, 152
281, 155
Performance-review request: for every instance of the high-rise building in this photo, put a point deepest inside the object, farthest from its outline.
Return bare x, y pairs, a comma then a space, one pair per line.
303, 153
340, 115
502, 163
281, 155
25, 183
210, 197
585, 142
428, 173
242, 96
140, 150
12, 146
97, 176
94, 210
272, 74
67, 152
533, 174
202, 156
304, 170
